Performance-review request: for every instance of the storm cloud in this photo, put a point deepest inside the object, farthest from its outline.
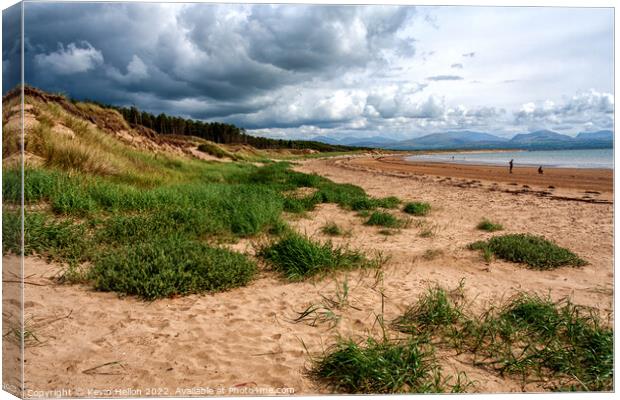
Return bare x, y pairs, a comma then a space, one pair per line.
304, 70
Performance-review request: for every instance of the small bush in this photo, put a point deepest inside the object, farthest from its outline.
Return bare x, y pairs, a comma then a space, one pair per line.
486, 225
417, 208
387, 220
298, 257
535, 251
171, 266
379, 367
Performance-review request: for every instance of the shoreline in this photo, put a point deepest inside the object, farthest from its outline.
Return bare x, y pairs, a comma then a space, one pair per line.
578, 181
502, 165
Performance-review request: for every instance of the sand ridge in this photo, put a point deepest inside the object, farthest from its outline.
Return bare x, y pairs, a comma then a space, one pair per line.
245, 338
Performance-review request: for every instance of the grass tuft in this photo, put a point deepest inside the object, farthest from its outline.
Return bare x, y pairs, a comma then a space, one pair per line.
332, 229
417, 208
379, 367
298, 257
435, 309
535, 251
384, 219
486, 225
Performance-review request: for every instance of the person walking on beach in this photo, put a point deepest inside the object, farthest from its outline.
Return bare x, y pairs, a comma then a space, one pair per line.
540, 171
510, 163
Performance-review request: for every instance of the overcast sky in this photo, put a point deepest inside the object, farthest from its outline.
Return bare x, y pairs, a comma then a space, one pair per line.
302, 71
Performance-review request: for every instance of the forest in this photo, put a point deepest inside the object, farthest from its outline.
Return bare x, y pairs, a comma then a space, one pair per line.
217, 132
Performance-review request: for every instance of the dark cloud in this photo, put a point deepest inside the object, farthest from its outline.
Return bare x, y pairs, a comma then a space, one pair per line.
11, 47
219, 56
445, 78
288, 70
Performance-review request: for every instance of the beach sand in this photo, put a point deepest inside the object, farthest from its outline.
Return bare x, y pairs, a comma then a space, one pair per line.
244, 340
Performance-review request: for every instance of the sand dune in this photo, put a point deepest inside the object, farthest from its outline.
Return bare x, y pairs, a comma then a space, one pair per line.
243, 341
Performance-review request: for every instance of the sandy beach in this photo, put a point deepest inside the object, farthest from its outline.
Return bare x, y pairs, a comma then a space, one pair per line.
244, 341
574, 182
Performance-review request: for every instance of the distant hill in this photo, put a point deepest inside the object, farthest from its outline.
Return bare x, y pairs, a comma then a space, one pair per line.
537, 140
454, 140
598, 135
373, 141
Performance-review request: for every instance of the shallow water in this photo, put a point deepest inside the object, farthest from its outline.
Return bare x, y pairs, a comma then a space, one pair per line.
588, 158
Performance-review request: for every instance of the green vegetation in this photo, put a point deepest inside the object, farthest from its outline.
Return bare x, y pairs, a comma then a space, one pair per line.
216, 151
384, 219
378, 367
102, 206
532, 337
417, 208
170, 266
535, 251
434, 310
486, 225
298, 257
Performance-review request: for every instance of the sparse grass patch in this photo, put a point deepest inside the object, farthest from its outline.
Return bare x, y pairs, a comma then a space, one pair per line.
388, 202
434, 310
535, 251
486, 225
428, 231
298, 257
384, 219
533, 336
417, 208
432, 254
332, 229
530, 336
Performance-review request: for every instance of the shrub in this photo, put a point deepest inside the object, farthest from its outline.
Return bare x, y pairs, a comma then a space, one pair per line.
298, 257
417, 208
535, 251
170, 266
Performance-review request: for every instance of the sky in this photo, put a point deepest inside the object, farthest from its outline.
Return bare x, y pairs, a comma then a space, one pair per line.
301, 71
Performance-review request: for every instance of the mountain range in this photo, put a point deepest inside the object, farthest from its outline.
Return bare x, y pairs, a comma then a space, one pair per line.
538, 140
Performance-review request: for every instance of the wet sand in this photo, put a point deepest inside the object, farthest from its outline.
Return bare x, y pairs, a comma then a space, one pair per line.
573, 182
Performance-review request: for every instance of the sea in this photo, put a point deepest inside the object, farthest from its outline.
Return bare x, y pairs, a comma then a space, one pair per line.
583, 158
